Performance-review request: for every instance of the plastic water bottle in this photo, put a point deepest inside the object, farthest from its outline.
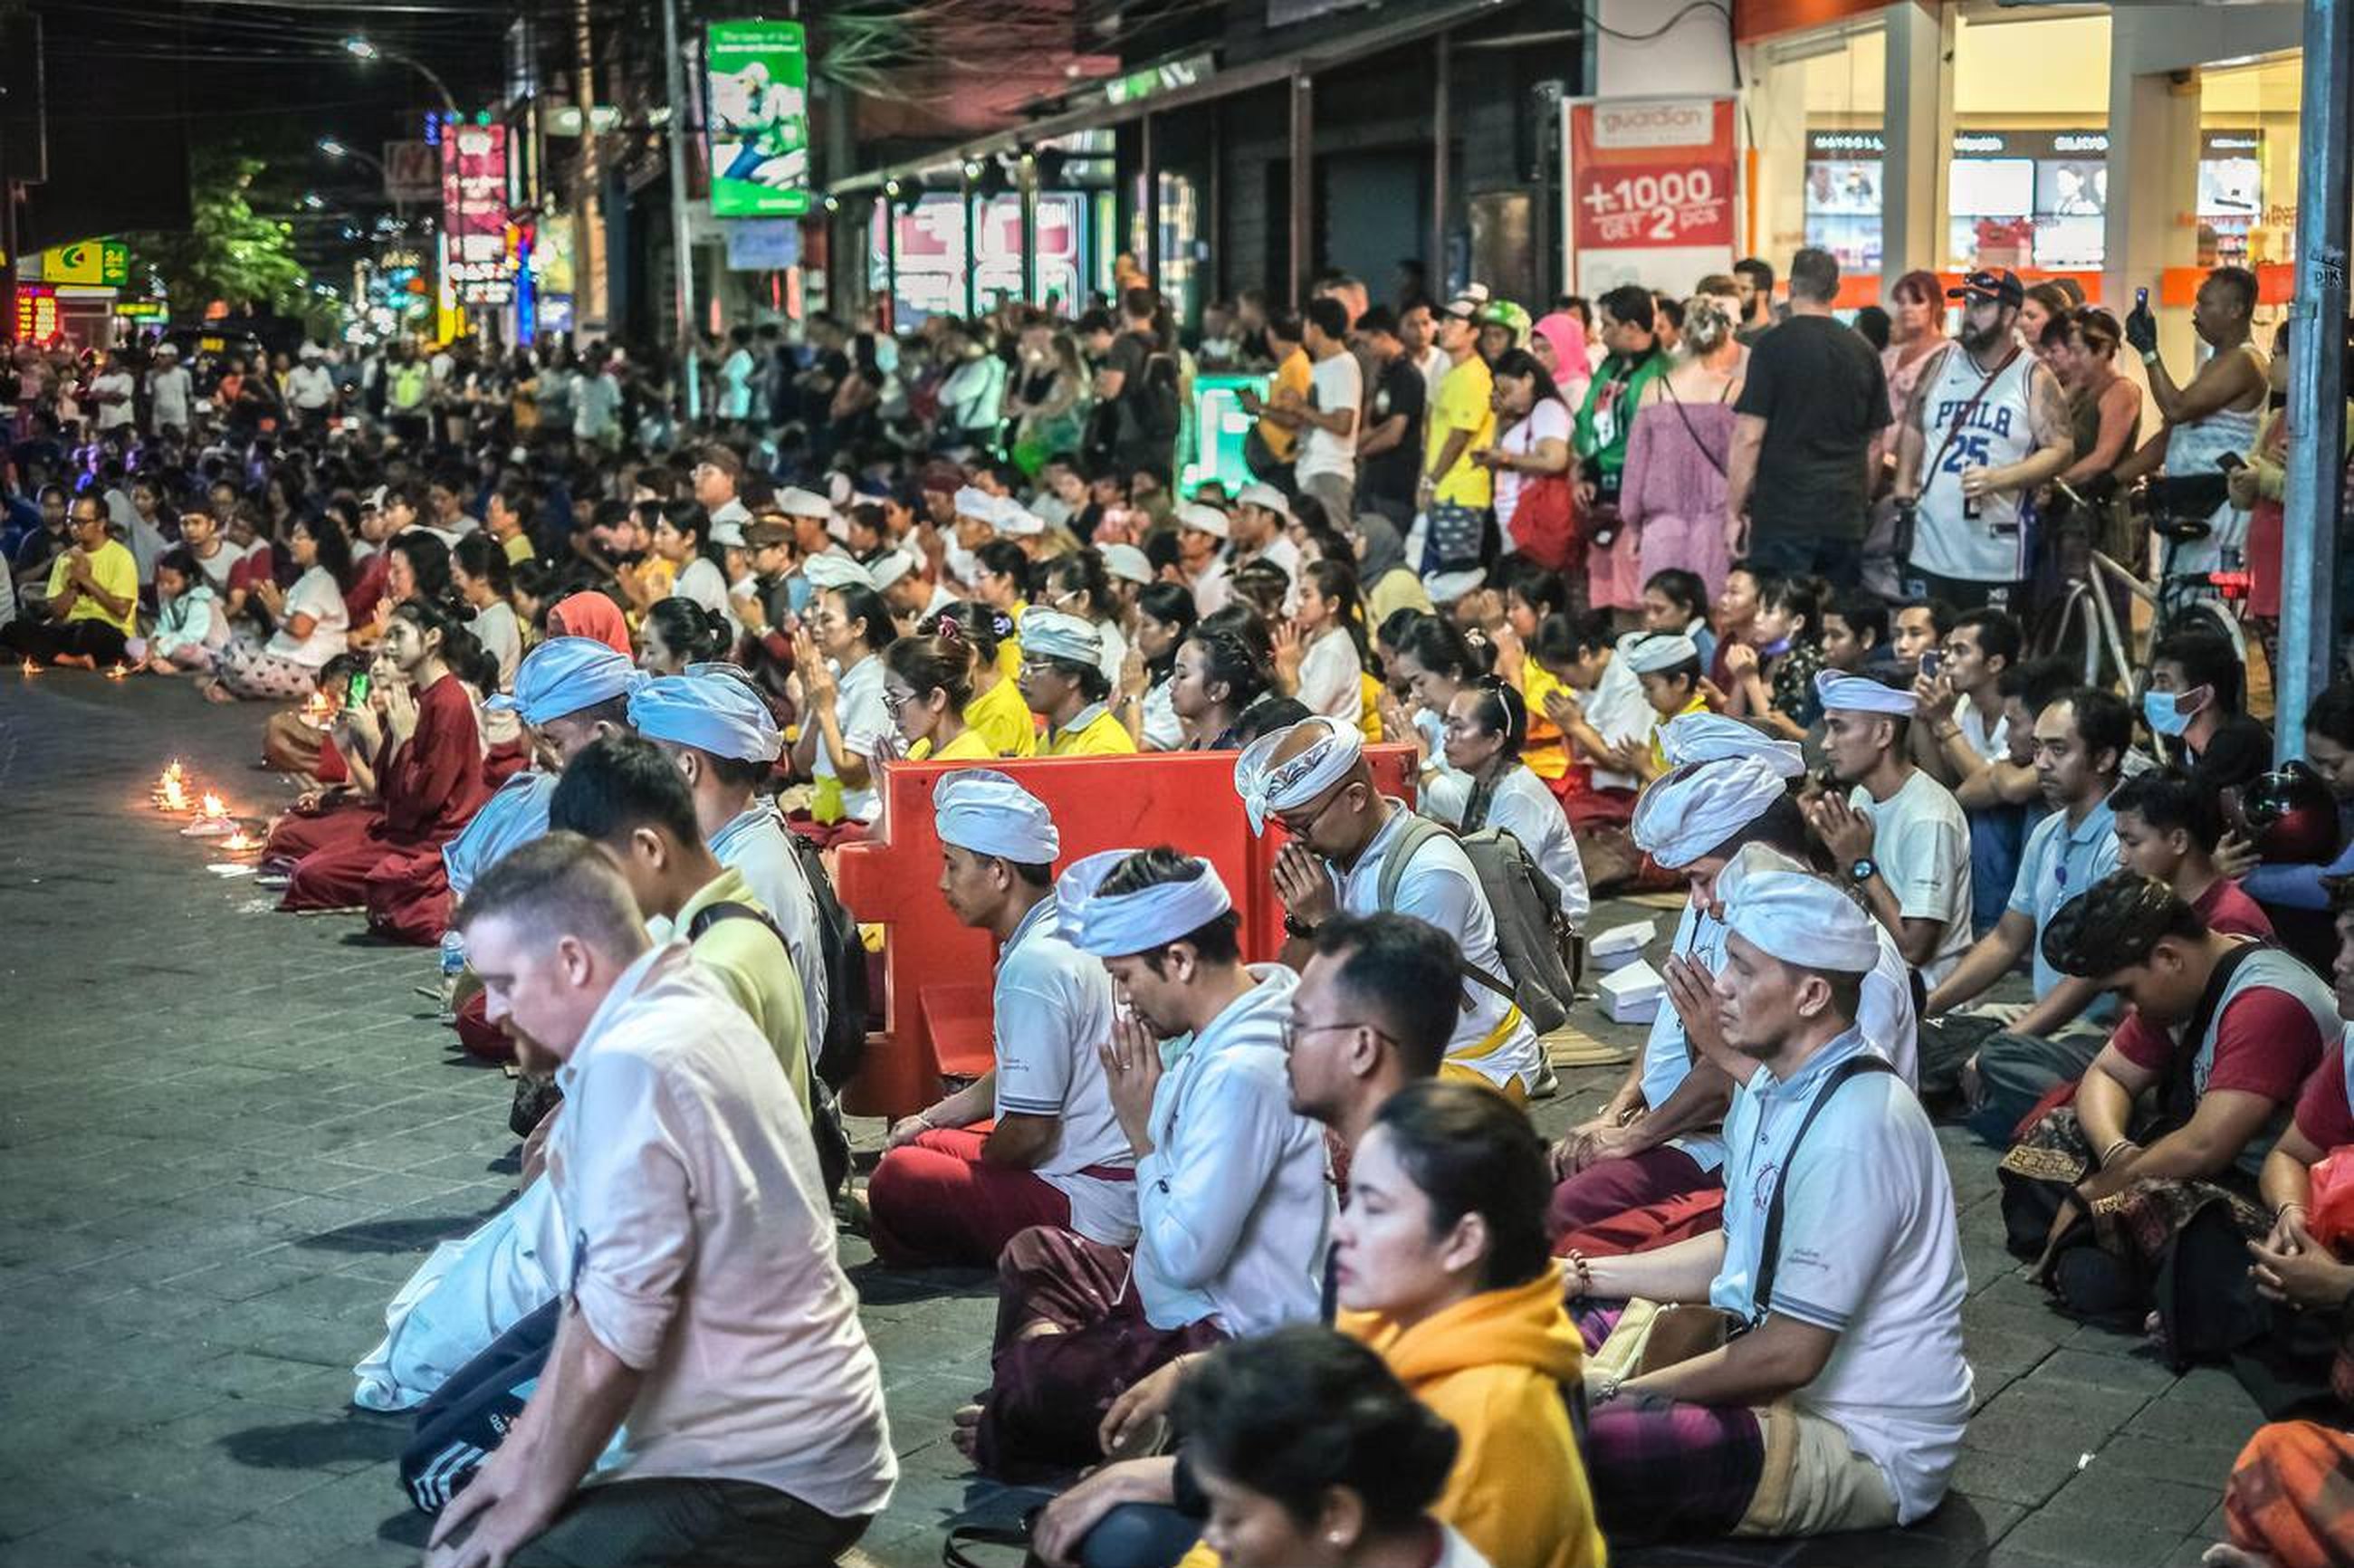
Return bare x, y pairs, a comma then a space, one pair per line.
453, 965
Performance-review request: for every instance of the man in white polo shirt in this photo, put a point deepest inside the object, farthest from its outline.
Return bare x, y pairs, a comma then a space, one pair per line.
1899, 837
1842, 1405
1313, 779
706, 1321
1054, 1154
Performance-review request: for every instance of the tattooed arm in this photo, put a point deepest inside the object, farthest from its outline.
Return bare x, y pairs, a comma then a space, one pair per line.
2047, 424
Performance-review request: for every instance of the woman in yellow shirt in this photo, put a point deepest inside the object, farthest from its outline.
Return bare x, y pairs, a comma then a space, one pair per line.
1531, 593
927, 683
995, 710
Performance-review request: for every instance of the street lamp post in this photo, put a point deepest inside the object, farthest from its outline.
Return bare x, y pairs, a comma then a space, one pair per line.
334, 149
361, 48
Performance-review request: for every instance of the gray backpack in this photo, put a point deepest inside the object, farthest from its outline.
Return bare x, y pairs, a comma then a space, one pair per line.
1526, 910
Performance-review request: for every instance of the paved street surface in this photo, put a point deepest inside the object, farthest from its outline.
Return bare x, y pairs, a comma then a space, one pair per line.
228, 1135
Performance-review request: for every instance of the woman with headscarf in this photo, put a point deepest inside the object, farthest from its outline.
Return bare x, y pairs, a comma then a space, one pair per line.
1559, 343
593, 615
1390, 584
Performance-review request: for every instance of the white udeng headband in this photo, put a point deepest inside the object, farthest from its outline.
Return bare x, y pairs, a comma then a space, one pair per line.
1137, 922
1266, 789
1688, 812
1712, 737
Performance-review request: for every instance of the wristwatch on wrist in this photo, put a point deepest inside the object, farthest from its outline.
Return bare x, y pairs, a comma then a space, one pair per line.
1292, 926
1863, 871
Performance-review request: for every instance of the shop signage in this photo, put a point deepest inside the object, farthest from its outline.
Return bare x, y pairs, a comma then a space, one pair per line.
412, 172
1650, 189
763, 244
474, 213
757, 87
36, 313
931, 250
106, 263
1154, 80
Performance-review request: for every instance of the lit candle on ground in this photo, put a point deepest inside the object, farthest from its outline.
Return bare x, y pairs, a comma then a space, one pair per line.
118, 673
239, 840
30, 667
174, 796
212, 805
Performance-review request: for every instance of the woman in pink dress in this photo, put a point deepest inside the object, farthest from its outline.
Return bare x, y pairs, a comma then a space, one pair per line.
1672, 491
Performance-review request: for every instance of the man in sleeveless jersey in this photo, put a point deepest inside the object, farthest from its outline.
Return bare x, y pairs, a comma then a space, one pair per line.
1986, 425
2215, 413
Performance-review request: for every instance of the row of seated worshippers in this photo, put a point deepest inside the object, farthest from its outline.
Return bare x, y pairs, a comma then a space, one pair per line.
1151, 1168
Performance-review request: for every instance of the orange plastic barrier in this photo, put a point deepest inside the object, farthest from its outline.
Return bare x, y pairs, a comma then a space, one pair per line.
937, 1014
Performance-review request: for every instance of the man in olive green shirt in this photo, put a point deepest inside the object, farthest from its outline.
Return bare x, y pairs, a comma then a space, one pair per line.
625, 796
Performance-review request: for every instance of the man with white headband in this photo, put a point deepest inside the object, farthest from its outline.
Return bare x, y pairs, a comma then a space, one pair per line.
719, 734
1314, 780
1055, 1155
1839, 1256
1660, 1138
1899, 838
1233, 1207
1063, 682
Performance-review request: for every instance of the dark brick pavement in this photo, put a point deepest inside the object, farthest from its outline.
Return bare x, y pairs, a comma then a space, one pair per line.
226, 1135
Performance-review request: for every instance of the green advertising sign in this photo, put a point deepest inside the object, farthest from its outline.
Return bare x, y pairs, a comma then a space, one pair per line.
756, 78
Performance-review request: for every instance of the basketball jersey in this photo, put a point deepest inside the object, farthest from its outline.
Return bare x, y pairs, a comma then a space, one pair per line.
2191, 449
1990, 547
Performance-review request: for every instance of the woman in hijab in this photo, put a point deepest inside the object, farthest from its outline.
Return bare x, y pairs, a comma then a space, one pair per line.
1559, 344
1390, 584
590, 615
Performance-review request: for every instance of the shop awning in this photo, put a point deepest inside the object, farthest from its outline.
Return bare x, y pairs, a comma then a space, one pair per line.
1312, 59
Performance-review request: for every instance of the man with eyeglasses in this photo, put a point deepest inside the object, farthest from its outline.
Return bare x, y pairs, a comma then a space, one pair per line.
1063, 682
1314, 780
91, 606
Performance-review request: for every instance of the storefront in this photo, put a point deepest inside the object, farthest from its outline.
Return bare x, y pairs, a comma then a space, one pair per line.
2129, 147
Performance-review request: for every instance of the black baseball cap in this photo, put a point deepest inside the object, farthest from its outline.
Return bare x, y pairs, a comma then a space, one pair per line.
2001, 285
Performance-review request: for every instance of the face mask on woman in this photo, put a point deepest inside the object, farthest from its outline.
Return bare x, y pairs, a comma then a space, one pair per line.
2170, 712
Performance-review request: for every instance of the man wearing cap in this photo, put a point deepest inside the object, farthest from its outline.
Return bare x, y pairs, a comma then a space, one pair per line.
1063, 682
720, 736
1255, 531
1456, 493
623, 795
1657, 1139
1899, 837
169, 388
1202, 534
1313, 779
1842, 1406
1986, 423
1054, 1153
1233, 1208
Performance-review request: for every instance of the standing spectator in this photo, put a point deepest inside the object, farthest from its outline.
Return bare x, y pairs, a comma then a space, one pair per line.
1533, 446
170, 390
1389, 451
736, 375
1814, 398
2215, 412
310, 390
2261, 487
1917, 331
1138, 387
114, 393
1986, 424
1671, 492
2104, 423
1628, 325
1754, 277
1418, 330
1455, 492
1559, 342
1272, 445
1327, 468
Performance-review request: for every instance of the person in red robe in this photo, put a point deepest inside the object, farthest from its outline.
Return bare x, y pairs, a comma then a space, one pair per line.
428, 755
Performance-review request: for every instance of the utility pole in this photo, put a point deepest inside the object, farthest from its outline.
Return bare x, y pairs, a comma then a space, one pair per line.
681, 248
2314, 508
593, 318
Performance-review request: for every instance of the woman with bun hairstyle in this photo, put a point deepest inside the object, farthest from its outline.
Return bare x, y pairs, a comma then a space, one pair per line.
926, 687
995, 710
678, 632
1487, 785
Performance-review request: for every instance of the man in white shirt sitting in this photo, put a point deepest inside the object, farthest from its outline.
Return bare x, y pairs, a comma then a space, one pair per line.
706, 1320
1055, 1155
1899, 837
1842, 1405
1661, 1137
1313, 779
1232, 1206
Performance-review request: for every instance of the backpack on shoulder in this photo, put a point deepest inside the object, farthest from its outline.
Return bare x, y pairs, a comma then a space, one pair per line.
1530, 927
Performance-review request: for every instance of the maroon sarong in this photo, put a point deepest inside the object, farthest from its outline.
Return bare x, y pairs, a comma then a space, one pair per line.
933, 1202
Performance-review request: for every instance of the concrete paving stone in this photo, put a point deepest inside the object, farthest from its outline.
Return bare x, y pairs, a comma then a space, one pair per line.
2200, 1417
2092, 1539
2098, 1493
1991, 1475
34, 1500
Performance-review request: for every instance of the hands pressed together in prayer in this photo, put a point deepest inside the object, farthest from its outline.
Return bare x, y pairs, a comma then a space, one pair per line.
1301, 883
1131, 1064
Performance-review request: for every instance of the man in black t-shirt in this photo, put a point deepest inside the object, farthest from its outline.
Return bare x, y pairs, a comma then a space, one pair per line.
1799, 480
1389, 455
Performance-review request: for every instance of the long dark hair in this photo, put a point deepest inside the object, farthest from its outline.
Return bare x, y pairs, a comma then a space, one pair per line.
428, 560
1519, 364
326, 531
933, 664
1172, 604
483, 556
689, 630
461, 649
1334, 582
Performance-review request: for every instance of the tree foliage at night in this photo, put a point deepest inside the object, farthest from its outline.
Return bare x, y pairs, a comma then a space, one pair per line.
230, 252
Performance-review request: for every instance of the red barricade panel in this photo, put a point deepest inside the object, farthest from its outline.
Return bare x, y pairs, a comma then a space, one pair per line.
936, 990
